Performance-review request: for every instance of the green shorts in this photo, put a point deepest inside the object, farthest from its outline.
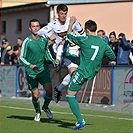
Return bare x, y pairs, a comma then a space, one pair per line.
42, 78
76, 81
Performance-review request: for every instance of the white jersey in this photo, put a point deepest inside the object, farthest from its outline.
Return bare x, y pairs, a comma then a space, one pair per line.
59, 30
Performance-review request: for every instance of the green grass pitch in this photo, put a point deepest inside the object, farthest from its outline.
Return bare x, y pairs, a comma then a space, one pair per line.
16, 116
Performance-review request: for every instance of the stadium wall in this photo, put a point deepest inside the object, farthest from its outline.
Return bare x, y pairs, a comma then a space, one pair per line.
113, 16
113, 84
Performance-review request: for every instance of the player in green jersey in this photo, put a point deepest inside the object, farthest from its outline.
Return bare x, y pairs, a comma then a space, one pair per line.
34, 56
93, 48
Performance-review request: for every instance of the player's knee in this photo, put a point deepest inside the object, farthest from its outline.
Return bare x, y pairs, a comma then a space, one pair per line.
72, 73
49, 93
72, 93
35, 94
35, 97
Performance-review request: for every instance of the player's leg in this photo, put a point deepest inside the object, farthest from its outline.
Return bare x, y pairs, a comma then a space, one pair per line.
36, 103
45, 80
33, 84
47, 100
71, 68
64, 83
36, 100
68, 63
58, 89
48, 95
74, 86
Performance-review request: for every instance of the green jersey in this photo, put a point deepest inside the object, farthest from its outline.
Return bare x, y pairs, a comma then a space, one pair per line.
35, 52
93, 48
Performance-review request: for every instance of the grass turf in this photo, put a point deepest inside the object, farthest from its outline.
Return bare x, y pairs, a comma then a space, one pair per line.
16, 116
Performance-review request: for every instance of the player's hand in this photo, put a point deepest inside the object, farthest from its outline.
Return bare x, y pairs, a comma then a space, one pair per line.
52, 38
112, 63
72, 20
34, 67
50, 42
2, 63
57, 65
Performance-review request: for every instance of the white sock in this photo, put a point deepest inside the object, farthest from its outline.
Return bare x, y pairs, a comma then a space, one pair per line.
64, 83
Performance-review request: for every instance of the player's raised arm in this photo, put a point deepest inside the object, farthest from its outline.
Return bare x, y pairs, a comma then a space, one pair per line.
72, 21
46, 31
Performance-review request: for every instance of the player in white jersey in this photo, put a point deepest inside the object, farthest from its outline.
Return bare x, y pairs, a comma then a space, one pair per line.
56, 31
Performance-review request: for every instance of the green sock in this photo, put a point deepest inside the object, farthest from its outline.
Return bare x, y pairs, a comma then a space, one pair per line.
74, 107
47, 101
36, 104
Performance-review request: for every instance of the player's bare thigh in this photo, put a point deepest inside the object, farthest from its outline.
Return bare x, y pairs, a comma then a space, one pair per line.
71, 66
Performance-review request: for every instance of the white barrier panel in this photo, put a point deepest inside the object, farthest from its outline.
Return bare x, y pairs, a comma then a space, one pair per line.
8, 80
123, 84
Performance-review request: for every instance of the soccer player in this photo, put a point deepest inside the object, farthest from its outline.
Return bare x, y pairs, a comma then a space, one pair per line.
56, 31
34, 56
93, 49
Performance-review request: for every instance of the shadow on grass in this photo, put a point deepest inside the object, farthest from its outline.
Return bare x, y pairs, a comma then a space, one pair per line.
20, 117
60, 123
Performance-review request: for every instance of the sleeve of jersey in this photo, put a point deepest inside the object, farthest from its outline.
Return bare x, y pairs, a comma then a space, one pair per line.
46, 31
76, 39
23, 53
78, 27
109, 53
127, 45
48, 55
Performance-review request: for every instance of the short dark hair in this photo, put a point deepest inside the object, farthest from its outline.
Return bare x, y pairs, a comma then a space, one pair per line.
62, 7
91, 25
4, 41
33, 20
121, 35
20, 38
103, 32
15, 48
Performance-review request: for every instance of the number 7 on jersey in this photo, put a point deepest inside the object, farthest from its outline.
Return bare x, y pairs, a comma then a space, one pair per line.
95, 52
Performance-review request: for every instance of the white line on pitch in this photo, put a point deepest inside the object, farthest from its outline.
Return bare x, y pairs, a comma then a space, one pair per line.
101, 116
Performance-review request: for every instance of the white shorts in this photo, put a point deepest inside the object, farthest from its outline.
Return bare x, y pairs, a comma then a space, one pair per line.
55, 47
69, 64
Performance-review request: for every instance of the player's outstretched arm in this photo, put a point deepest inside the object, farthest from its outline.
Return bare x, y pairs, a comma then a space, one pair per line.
72, 21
